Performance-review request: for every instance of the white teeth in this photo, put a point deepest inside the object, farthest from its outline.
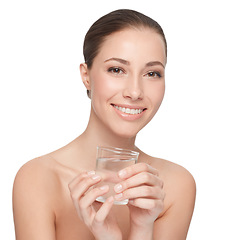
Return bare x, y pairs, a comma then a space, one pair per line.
128, 110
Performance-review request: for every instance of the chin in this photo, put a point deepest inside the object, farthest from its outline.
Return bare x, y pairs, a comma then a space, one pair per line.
127, 133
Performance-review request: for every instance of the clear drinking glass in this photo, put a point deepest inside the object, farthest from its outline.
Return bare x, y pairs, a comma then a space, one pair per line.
109, 161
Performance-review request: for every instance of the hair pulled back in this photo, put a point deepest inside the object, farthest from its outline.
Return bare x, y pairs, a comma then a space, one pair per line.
113, 22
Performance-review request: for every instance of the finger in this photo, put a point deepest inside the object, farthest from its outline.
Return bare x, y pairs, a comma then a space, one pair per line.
91, 196
104, 210
76, 180
79, 178
141, 192
85, 203
148, 204
135, 169
78, 190
137, 180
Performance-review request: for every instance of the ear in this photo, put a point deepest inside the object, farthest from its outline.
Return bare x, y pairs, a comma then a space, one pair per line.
85, 75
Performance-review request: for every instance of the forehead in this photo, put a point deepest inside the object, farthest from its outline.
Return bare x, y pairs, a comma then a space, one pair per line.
140, 45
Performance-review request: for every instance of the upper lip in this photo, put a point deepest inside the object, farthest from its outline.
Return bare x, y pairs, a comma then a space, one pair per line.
129, 106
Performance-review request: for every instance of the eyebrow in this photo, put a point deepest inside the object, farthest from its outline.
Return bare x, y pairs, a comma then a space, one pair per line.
154, 63
125, 62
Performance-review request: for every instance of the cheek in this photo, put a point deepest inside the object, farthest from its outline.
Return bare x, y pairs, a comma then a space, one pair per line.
155, 92
104, 86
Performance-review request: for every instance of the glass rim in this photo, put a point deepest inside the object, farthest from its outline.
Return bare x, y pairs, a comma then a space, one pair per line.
117, 150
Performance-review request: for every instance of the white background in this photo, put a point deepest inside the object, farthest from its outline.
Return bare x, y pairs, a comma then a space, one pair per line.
44, 104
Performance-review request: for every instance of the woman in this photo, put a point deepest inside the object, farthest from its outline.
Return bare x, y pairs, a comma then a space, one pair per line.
125, 57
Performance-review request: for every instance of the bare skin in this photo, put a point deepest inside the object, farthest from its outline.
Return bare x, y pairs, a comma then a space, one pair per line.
52, 196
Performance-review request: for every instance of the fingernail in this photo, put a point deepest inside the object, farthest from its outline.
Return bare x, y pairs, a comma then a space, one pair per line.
103, 187
118, 196
118, 188
91, 173
96, 177
122, 173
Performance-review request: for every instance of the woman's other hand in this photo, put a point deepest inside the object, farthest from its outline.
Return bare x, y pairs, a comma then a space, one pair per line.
100, 222
144, 189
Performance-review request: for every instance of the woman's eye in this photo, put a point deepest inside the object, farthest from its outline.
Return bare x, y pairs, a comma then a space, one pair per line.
115, 70
154, 74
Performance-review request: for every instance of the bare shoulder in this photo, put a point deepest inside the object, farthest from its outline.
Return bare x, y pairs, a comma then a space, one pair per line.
35, 182
174, 175
44, 176
34, 198
38, 173
179, 184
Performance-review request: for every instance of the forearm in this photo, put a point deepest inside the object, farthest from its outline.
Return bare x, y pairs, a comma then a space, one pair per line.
137, 233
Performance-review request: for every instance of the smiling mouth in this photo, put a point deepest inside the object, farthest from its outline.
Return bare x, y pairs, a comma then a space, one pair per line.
132, 111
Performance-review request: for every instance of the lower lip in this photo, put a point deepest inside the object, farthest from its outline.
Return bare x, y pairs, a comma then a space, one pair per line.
128, 117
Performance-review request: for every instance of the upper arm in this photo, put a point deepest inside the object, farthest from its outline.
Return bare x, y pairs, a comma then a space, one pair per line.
32, 207
174, 224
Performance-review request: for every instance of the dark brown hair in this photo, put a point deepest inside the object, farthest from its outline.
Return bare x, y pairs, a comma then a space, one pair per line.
113, 22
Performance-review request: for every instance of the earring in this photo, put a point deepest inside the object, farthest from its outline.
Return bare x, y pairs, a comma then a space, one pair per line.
89, 93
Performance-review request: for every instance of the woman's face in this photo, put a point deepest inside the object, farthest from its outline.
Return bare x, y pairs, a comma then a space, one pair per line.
127, 80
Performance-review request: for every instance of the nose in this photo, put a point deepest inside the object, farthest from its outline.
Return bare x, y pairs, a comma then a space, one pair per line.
133, 89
